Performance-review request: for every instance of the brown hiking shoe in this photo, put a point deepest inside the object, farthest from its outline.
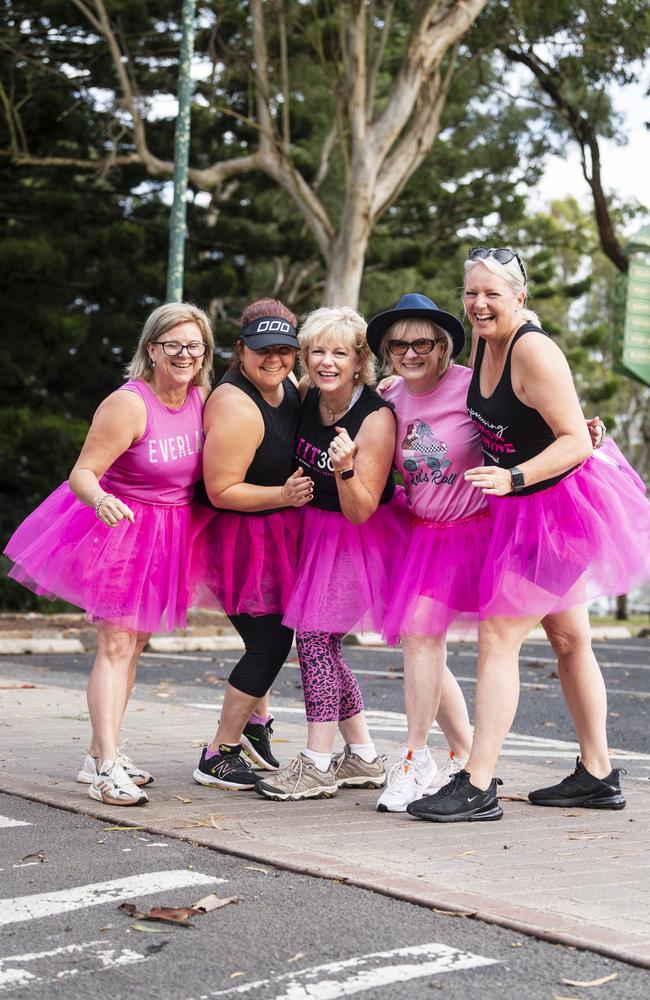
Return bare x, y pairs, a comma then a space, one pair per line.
352, 771
300, 779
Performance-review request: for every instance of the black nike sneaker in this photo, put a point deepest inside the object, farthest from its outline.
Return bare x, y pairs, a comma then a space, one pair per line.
582, 789
256, 744
459, 801
225, 769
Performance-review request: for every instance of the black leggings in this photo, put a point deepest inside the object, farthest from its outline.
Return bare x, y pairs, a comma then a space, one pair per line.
267, 643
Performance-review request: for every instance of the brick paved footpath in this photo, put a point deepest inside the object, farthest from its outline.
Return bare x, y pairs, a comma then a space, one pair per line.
575, 876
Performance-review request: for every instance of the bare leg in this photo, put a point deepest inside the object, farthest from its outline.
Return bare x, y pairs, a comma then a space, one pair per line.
355, 729
108, 686
424, 664
453, 717
582, 685
497, 692
142, 638
236, 710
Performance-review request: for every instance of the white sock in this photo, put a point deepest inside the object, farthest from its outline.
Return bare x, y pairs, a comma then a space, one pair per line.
366, 751
321, 760
420, 754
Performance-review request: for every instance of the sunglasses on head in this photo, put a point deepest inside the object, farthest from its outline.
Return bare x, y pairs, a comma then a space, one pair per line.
503, 255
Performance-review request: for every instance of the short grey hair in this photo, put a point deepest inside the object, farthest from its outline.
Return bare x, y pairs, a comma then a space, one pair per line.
341, 325
421, 327
160, 321
511, 274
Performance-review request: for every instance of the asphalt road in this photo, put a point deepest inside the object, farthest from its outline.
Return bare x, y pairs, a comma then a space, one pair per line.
288, 937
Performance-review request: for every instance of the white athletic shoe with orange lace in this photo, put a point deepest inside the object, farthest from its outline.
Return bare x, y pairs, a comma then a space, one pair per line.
445, 773
408, 780
112, 786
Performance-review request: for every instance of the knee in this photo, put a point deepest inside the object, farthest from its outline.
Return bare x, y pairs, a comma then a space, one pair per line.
115, 646
568, 641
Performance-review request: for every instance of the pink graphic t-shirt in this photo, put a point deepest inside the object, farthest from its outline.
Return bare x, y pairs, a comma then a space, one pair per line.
436, 443
163, 466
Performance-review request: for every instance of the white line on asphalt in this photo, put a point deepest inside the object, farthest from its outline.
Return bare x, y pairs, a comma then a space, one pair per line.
6, 821
45, 904
12, 975
363, 973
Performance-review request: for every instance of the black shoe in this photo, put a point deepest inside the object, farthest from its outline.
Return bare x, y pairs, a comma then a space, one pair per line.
225, 770
256, 744
457, 801
582, 789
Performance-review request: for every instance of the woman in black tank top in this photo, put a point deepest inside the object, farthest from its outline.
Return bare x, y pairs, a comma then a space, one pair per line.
568, 527
350, 534
244, 558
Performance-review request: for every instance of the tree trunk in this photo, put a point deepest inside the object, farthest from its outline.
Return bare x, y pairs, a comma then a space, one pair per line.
621, 608
348, 248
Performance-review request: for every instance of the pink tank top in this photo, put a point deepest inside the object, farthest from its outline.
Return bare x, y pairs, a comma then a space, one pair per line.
436, 443
163, 466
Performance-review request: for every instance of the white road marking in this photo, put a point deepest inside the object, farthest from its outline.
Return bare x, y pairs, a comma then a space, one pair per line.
6, 821
362, 973
45, 904
12, 973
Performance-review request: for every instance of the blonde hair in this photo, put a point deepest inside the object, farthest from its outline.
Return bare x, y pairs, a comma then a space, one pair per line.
421, 328
340, 325
160, 321
511, 274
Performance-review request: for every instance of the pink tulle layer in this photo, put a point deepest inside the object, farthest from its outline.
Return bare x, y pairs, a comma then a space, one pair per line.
345, 571
586, 537
244, 564
132, 575
436, 586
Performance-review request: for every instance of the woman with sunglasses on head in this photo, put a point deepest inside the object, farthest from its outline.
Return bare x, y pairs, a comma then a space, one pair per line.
569, 525
244, 555
114, 539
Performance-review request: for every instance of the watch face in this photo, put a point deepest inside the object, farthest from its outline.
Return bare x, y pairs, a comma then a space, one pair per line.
348, 474
517, 479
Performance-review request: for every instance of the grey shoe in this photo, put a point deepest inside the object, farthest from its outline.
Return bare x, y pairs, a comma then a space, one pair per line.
352, 771
300, 779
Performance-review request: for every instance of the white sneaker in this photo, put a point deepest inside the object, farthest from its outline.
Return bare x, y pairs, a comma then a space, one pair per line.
112, 786
408, 780
444, 774
137, 774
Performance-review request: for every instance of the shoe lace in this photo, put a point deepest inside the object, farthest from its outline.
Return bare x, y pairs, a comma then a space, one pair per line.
400, 773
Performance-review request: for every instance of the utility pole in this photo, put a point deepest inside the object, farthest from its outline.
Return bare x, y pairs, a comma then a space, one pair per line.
177, 222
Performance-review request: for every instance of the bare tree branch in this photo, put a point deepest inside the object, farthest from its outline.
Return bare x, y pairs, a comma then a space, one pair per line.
284, 74
373, 74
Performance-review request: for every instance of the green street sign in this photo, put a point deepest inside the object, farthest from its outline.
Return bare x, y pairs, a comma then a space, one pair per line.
632, 312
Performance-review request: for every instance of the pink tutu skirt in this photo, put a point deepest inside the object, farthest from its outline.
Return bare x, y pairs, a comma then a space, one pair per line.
244, 563
586, 537
436, 585
345, 571
132, 575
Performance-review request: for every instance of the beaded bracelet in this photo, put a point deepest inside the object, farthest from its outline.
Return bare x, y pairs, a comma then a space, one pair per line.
106, 496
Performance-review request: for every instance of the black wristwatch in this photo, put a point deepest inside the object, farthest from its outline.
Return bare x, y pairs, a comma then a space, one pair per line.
347, 473
517, 479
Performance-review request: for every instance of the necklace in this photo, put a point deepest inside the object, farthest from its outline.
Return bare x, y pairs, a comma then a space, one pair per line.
333, 414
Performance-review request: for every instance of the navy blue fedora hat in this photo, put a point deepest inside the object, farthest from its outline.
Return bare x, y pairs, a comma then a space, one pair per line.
414, 305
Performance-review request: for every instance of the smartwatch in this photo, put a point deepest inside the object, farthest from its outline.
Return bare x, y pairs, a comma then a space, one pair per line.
347, 473
516, 479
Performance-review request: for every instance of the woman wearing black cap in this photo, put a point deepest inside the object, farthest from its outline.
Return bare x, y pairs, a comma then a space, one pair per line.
436, 584
244, 557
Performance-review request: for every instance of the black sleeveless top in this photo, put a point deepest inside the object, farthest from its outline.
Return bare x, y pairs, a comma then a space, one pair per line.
511, 432
273, 461
314, 438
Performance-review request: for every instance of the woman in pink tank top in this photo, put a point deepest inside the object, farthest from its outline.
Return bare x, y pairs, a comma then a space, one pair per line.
114, 538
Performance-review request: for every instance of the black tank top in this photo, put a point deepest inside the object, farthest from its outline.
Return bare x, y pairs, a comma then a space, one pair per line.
314, 438
511, 432
273, 461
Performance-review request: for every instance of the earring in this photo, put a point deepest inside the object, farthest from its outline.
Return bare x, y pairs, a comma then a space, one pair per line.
152, 362
357, 376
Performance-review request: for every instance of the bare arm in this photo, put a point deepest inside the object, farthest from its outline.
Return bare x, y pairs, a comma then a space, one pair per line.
541, 379
371, 452
234, 430
118, 422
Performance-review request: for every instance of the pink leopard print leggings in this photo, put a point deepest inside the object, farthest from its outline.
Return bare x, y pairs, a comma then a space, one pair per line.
331, 691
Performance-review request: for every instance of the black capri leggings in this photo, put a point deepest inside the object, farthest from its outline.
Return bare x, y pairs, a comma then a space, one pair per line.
267, 643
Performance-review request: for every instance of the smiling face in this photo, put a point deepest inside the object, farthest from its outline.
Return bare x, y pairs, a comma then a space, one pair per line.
175, 371
420, 371
492, 307
331, 365
268, 367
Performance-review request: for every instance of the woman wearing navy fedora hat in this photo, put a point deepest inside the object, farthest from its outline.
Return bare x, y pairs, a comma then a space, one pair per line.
436, 586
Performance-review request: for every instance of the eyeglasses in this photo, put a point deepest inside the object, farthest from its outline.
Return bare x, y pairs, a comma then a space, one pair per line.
423, 346
503, 255
173, 349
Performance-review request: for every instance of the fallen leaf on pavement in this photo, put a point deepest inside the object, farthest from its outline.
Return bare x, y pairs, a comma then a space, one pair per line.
196, 823
122, 829
233, 975
15, 687
591, 982
465, 854
298, 955
149, 930
170, 914
255, 868
593, 836
213, 902
516, 944
550, 725
455, 913
181, 799
36, 854
515, 797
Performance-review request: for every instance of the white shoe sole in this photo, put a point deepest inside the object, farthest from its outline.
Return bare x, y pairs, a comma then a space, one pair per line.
94, 793
229, 786
327, 792
253, 755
